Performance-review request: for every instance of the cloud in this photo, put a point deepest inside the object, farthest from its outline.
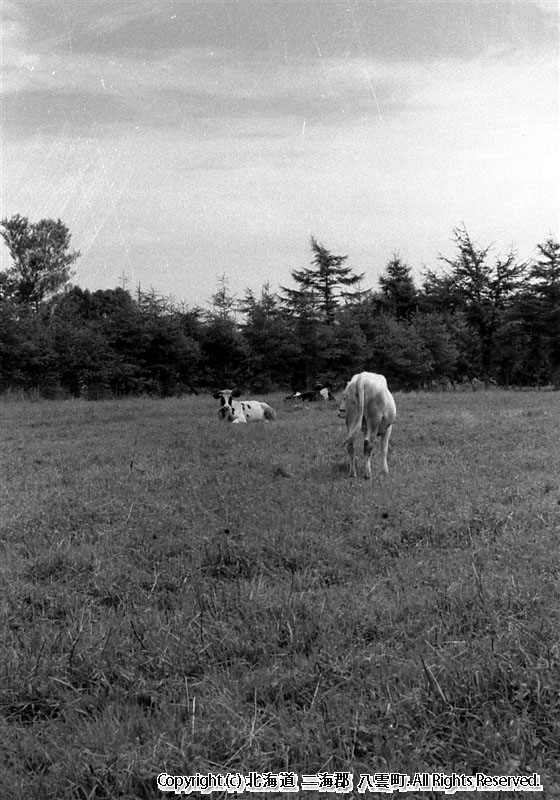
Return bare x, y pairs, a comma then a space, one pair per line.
212, 100
186, 65
401, 29
182, 139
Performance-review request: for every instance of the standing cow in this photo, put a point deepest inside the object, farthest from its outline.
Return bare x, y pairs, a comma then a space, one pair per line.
367, 405
242, 411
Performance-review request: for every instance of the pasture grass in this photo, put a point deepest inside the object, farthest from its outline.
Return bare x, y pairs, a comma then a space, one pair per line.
181, 595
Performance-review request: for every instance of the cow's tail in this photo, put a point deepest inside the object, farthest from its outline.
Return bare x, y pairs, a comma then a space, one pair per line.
269, 413
357, 427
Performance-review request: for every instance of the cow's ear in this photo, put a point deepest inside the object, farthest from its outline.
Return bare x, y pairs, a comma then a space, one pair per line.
235, 392
216, 394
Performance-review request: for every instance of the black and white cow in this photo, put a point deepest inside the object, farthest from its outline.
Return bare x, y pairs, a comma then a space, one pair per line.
367, 405
319, 392
242, 411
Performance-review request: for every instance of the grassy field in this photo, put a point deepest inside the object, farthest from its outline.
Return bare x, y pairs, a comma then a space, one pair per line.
181, 595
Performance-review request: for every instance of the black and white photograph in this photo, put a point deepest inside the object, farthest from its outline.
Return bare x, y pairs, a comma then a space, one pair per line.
279, 398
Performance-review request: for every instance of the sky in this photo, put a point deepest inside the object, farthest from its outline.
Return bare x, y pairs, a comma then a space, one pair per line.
186, 141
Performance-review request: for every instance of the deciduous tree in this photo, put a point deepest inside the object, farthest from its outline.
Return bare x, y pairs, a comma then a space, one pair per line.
41, 256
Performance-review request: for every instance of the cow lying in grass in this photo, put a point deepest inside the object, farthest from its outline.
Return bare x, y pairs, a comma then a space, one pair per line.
319, 392
242, 411
367, 405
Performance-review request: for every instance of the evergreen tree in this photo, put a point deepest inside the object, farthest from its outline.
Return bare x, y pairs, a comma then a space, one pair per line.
436, 337
544, 275
322, 285
314, 306
538, 311
347, 350
223, 301
483, 292
438, 294
398, 291
397, 351
224, 352
271, 342
27, 360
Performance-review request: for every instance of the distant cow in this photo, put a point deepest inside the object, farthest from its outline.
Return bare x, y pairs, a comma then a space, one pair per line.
319, 392
310, 395
367, 405
325, 393
242, 411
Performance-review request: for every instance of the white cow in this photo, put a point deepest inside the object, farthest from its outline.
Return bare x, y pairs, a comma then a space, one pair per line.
242, 411
367, 405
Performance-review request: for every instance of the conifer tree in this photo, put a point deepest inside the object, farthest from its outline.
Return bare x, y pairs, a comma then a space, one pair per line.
321, 286
398, 291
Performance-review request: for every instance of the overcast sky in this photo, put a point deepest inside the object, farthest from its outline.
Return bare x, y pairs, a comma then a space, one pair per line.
182, 140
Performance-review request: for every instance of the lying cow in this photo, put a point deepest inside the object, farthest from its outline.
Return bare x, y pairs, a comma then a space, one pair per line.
242, 411
326, 394
311, 395
319, 392
367, 405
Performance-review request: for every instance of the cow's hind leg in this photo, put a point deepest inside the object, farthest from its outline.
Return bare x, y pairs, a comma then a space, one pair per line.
351, 459
384, 448
370, 438
368, 450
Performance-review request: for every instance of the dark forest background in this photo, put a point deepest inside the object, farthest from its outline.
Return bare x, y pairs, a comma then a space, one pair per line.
481, 318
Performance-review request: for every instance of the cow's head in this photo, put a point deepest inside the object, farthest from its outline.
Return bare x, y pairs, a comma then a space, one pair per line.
225, 412
229, 411
226, 395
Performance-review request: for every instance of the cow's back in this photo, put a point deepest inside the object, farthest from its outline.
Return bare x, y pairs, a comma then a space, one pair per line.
370, 407
373, 387
378, 400
368, 400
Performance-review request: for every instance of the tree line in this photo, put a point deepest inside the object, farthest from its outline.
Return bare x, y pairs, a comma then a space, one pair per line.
480, 317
